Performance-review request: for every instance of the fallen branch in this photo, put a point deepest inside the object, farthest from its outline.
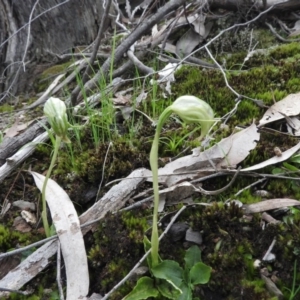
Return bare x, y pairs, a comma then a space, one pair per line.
128, 42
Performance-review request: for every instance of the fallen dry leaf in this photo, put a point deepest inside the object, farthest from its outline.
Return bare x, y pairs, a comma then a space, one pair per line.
239, 146
141, 97
187, 43
67, 227
16, 128
275, 160
176, 194
199, 24
288, 106
227, 153
293, 125
269, 205
120, 99
21, 225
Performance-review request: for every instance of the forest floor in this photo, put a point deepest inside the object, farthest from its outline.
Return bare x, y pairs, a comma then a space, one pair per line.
253, 251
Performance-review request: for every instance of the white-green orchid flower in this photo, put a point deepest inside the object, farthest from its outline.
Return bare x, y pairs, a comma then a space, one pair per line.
56, 112
194, 110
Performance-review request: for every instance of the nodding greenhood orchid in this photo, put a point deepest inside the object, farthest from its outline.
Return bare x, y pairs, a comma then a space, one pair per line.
191, 110
56, 112
194, 110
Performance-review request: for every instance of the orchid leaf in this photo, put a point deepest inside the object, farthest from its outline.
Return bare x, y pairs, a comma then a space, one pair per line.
144, 289
200, 274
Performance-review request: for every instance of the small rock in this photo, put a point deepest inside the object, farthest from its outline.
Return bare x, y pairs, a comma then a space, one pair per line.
138, 273
24, 205
193, 236
270, 257
238, 203
177, 231
95, 297
90, 194
257, 264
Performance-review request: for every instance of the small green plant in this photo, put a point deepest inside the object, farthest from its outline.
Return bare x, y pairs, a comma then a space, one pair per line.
171, 281
175, 142
56, 112
292, 217
294, 291
169, 272
290, 168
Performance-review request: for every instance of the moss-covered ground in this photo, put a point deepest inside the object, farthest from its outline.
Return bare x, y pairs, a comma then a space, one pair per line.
231, 243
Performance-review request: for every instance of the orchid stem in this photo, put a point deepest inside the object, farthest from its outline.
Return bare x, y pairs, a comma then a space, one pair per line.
154, 167
44, 212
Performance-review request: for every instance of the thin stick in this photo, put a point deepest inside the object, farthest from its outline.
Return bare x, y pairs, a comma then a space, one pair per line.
5, 202
103, 168
13, 291
58, 277
279, 37
141, 67
28, 34
269, 250
239, 96
249, 186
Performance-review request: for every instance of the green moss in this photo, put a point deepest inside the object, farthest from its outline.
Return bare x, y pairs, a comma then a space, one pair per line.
6, 108
9, 238
285, 51
246, 197
137, 226
43, 149
14, 296
293, 85
88, 163
118, 246
80, 166
231, 244
264, 79
265, 37
257, 290
47, 76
